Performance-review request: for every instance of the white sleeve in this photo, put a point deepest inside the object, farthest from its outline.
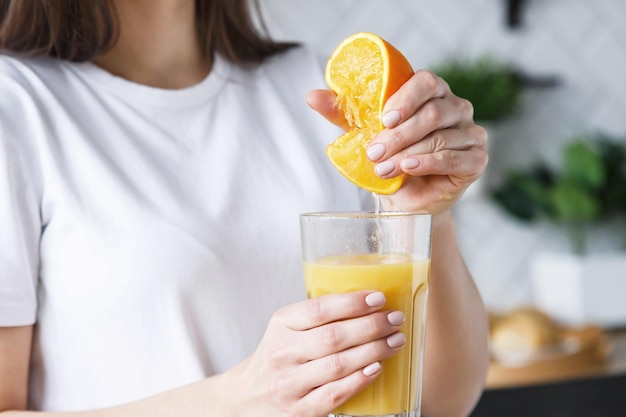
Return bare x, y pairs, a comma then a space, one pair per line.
20, 230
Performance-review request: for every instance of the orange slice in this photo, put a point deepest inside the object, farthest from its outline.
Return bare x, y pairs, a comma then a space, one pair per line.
364, 71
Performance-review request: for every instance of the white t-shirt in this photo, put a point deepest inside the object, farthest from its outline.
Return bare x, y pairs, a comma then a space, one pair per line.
149, 233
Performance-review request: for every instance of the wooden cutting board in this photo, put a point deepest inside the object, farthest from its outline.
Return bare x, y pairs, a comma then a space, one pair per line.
585, 352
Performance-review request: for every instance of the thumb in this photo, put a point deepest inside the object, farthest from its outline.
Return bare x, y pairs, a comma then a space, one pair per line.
325, 103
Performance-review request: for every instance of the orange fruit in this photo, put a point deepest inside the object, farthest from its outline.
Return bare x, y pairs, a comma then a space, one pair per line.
364, 71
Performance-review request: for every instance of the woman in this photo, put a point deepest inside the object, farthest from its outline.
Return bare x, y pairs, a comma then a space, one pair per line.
154, 157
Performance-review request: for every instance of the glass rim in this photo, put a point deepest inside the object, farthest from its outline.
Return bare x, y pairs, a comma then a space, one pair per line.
363, 214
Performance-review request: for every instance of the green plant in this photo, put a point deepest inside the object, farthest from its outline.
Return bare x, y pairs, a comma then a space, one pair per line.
589, 189
491, 84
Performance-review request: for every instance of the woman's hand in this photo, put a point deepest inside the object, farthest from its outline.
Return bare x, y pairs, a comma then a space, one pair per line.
316, 354
430, 135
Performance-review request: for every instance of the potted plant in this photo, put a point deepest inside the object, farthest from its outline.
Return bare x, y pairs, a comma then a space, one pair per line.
586, 193
492, 85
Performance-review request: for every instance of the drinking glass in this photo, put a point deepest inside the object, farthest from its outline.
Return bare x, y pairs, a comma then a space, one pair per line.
388, 252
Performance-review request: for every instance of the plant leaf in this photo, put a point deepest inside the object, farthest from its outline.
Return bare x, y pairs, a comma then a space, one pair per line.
574, 203
583, 164
487, 82
523, 195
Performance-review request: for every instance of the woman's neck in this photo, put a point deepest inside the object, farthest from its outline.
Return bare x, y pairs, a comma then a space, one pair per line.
158, 44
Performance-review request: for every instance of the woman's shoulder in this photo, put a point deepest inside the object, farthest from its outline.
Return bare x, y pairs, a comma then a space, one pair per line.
13, 71
26, 88
20, 67
11, 64
28, 75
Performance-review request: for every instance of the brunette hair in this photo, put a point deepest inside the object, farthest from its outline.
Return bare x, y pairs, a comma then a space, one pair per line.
79, 30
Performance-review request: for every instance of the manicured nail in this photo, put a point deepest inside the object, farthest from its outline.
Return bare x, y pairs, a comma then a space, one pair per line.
375, 299
396, 318
410, 163
390, 119
372, 369
376, 151
396, 340
384, 168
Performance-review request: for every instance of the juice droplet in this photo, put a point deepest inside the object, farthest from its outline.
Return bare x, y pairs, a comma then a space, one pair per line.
376, 198
376, 239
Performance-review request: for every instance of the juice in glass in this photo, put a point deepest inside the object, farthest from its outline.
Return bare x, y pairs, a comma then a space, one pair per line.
388, 252
404, 281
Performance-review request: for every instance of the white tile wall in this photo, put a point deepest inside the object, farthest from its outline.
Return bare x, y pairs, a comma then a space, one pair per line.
581, 41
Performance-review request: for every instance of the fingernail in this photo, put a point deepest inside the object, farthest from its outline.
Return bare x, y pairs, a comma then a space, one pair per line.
396, 318
410, 163
384, 168
396, 340
390, 119
375, 152
375, 299
372, 369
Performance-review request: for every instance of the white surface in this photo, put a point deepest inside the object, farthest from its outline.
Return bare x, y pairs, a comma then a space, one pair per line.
581, 290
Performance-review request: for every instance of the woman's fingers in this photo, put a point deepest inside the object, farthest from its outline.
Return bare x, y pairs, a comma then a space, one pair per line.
457, 152
318, 311
338, 377
422, 87
343, 363
433, 116
344, 334
325, 103
468, 163
467, 137
328, 397
326, 325
317, 353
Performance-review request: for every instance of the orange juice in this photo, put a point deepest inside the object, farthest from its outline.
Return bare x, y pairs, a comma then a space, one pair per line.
404, 281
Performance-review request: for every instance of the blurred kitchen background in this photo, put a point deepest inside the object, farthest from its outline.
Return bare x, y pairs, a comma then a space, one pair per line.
571, 55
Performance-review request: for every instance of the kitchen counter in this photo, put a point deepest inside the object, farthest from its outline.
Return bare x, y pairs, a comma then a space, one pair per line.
600, 392
596, 352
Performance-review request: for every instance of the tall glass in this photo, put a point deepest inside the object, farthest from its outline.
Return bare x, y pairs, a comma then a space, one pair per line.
388, 252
